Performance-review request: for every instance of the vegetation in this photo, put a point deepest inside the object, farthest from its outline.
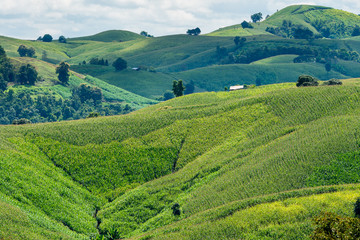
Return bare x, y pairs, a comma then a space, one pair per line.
63, 72
195, 31
260, 163
178, 88
306, 81
119, 64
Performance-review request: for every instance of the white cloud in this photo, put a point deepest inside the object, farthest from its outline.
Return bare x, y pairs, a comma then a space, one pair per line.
31, 18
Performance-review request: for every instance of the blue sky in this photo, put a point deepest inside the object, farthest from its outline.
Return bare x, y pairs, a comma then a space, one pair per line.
28, 19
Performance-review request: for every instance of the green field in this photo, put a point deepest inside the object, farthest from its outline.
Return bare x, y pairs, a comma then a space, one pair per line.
213, 153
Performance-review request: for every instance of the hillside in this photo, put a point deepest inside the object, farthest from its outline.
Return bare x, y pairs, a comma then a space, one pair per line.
215, 154
111, 36
324, 21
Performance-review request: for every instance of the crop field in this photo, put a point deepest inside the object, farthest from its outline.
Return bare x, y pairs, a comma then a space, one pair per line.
204, 151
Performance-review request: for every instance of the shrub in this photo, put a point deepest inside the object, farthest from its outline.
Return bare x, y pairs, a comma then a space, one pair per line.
333, 82
332, 226
176, 209
306, 80
21, 121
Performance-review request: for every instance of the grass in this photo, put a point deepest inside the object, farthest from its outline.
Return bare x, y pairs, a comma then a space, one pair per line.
204, 151
275, 217
110, 36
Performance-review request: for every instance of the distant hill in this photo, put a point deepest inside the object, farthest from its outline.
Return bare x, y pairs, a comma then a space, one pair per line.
111, 36
324, 21
327, 22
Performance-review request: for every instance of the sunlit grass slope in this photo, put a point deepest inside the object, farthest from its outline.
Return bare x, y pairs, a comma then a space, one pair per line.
48, 82
268, 71
204, 151
281, 216
111, 36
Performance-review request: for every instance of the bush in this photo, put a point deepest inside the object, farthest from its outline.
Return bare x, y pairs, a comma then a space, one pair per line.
306, 80
21, 121
333, 82
332, 226
176, 209
120, 64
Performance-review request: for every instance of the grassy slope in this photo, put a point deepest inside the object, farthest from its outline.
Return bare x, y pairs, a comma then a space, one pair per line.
280, 216
298, 14
49, 82
111, 36
221, 147
215, 78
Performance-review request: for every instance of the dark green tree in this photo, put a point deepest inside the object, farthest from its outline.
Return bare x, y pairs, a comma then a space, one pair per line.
356, 31
22, 50
178, 88
30, 52
245, 24
63, 72
119, 64
47, 38
195, 31
256, 17
27, 75
303, 33
176, 209
305, 80
62, 39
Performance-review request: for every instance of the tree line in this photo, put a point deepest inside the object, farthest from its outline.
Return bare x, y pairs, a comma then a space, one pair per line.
86, 100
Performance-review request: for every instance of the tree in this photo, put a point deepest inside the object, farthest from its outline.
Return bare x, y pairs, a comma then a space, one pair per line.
303, 33
63, 72
239, 41
256, 17
22, 50
86, 92
176, 209
356, 31
47, 38
27, 75
119, 64
62, 39
305, 80
178, 88
30, 52
195, 31
245, 24
333, 82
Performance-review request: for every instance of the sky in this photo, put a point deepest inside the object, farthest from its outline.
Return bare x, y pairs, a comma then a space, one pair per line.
29, 19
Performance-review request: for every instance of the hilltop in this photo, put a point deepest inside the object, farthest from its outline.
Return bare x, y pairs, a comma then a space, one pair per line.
110, 36
323, 21
215, 154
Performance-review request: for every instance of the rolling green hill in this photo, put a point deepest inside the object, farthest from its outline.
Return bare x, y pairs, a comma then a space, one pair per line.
111, 36
222, 156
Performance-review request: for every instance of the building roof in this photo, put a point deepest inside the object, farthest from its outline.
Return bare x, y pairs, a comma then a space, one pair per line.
237, 87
